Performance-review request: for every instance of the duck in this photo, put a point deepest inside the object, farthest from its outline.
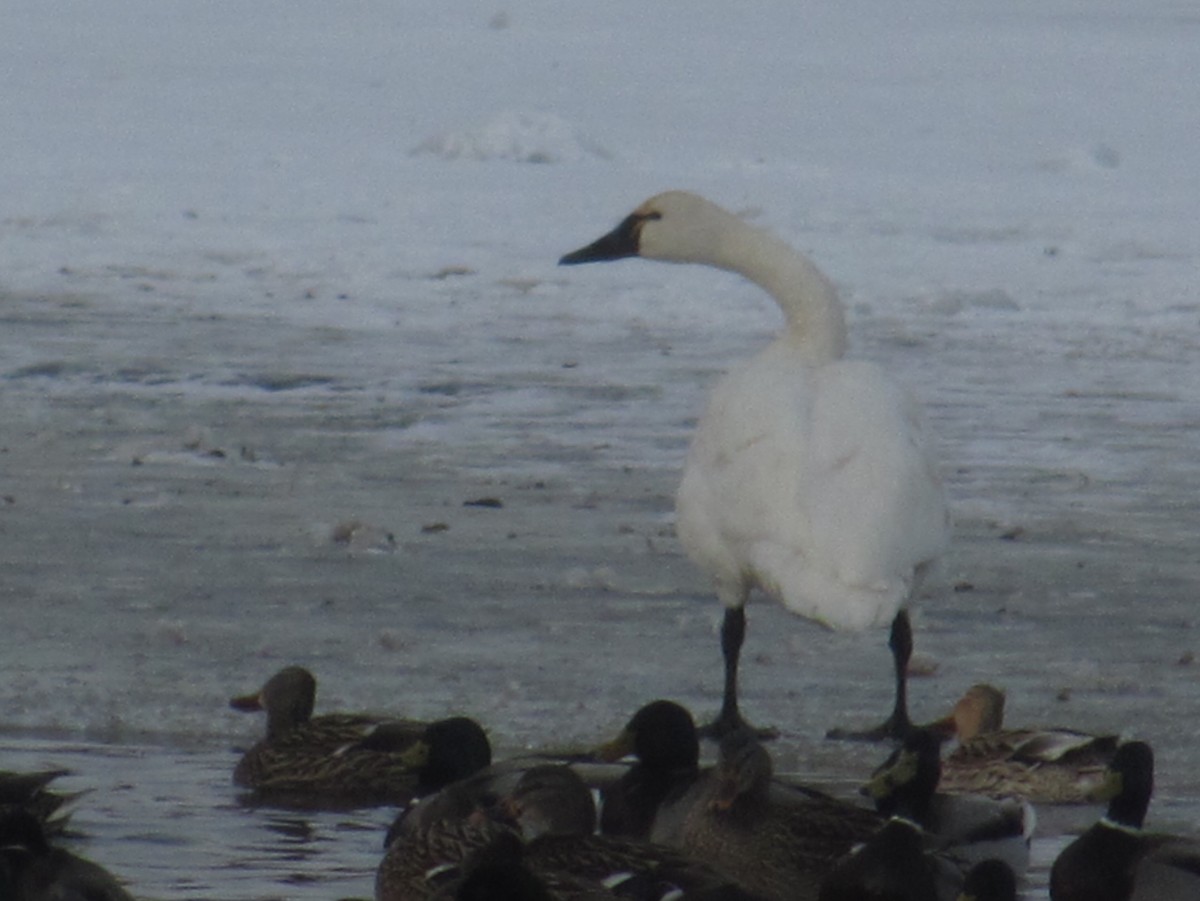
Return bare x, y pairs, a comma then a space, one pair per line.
288, 699
499, 874
892, 866
540, 837
33, 869
344, 760
773, 840
1047, 766
31, 792
810, 476
487, 789
434, 861
479, 859
664, 741
1117, 859
929, 841
552, 808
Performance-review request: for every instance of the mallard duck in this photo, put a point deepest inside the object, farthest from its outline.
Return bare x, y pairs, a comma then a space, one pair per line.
1116, 860
483, 859
31, 792
991, 880
433, 861
349, 760
1051, 766
288, 699
809, 475
775, 841
930, 841
540, 837
499, 874
893, 865
553, 810
32, 869
662, 737
487, 789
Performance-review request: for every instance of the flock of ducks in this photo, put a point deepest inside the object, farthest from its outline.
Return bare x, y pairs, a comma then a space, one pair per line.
642, 817
810, 479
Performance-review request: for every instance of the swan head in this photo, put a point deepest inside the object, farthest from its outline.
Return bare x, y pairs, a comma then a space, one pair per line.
676, 226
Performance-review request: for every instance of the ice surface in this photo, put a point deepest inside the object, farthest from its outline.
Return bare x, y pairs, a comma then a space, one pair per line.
237, 312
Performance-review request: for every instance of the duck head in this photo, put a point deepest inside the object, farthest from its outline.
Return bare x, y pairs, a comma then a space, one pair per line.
662, 735
288, 698
1128, 784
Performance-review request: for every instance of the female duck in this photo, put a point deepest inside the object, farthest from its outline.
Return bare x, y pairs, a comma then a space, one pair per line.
1049, 766
348, 760
549, 815
776, 841
808, 475
1116, 860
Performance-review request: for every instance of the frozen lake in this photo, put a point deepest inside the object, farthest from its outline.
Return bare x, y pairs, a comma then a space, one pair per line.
236, 314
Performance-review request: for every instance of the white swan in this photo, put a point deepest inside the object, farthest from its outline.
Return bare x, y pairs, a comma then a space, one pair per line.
808, 476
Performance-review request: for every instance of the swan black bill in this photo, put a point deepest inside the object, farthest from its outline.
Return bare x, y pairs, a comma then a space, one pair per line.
618, 244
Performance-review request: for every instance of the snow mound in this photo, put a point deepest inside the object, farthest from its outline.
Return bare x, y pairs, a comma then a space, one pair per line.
522, 137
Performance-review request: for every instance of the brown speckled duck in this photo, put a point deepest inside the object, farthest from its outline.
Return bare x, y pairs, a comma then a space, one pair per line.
551, 815
1048, 766
348, 760
775, 842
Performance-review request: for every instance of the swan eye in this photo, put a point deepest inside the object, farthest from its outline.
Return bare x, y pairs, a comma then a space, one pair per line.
636, 221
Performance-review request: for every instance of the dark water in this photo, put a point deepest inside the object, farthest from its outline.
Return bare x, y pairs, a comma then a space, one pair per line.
167, 821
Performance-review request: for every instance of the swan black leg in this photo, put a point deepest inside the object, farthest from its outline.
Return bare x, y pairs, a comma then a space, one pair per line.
733, 633
897, 726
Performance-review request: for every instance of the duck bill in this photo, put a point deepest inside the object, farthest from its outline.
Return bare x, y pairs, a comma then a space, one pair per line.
885, 782
246, 703
415, 756
878, 788
1108, 788
946, 727
621, 746
725, 797
618, 244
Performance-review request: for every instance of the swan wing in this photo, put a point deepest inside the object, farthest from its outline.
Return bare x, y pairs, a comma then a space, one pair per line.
814, 484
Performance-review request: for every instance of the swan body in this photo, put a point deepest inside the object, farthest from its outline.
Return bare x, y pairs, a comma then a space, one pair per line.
809, 475
811, 483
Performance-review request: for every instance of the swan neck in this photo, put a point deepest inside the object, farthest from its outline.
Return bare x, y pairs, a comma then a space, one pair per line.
814, 315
